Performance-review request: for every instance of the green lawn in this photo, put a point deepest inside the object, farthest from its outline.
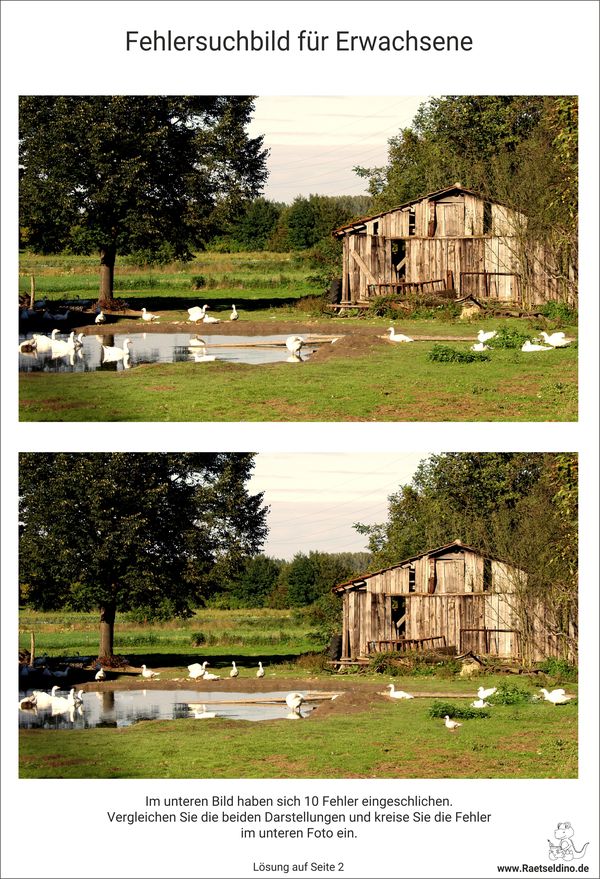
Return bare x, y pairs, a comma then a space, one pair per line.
361, 734
363, 378
387, 740
387, 384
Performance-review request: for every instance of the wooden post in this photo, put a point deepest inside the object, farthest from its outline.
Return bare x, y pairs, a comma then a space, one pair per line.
32, 652
32, 291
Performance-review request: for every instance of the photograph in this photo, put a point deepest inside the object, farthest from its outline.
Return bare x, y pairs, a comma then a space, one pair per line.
437, 638
298, 259
302, 441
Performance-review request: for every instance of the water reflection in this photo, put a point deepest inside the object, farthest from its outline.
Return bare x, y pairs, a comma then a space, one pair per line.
114, 352
117, 708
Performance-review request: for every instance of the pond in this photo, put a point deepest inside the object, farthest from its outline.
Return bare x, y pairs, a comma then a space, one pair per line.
156, 348
124, 707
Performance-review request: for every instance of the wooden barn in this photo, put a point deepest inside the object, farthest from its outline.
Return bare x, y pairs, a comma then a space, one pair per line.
453, 241
450, 597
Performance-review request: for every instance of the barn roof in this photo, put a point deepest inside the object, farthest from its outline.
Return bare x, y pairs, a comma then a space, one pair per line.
412, 558
440, 193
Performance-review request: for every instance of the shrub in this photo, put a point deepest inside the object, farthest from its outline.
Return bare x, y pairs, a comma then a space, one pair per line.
509, 337
441, 709
446, 354
559, 669
509, 694
198, 282
198, 639
559, 311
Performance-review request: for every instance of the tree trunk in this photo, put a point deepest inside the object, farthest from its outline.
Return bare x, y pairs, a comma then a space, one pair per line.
107, 630
108, 254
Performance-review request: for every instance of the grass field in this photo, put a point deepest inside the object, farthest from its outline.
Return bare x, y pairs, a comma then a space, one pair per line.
256, 632
384, 740
363, 378
397, 739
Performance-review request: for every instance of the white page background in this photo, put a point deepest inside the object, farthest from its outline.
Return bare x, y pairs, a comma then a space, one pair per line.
519, 48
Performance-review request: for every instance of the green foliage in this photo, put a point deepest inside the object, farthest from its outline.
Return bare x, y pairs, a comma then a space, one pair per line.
447, 354
441, 709
559, 669
198, 282
560, 312
509, 694
141, 532
509, 337
152, 175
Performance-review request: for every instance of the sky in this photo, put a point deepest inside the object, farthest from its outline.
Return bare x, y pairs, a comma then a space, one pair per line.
315, 142
316, 498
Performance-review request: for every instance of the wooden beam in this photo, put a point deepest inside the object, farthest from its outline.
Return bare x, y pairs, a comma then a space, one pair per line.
363, 266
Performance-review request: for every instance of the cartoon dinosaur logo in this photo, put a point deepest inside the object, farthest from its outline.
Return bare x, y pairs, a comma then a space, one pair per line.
565, 847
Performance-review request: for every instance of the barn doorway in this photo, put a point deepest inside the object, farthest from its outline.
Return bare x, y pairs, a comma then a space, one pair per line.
399, 258
399, 615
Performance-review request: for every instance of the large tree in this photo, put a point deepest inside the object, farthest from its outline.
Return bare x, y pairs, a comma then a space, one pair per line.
122, 531
127, 173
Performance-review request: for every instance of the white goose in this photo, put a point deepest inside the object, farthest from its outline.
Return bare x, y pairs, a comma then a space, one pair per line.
530, 346
294, 345
206, 319
480, 346
43, 699
556, 340
234, 671
60, 348
148, 673
196, 313
398, 337
44, 343
195, 671
398, 694
557, 697
234, 315
79, 340
196, 342
27, 703
28, 346
208, 676
261, 672
111, 353
147, 315
485, 694
100, 318
482, 336
452, 725
480, 703
100, 675
294, 701
201, 714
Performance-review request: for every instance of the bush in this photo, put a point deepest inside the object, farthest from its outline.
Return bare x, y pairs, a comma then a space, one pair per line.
559, 669
508, 337
446, 354
198, 282
441, 709
198, 639
509, 694
559, 311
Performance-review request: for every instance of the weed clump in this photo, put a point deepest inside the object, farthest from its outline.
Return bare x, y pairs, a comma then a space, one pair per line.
441, 709
509, 337
447, 354
509, 694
